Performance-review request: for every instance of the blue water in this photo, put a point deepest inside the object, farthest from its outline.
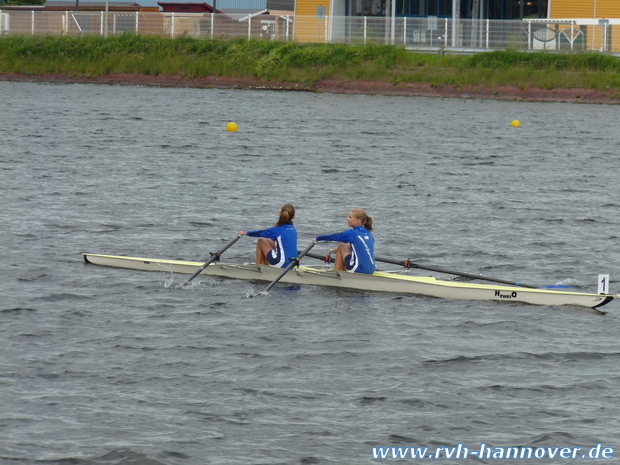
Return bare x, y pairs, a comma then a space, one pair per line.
107, 366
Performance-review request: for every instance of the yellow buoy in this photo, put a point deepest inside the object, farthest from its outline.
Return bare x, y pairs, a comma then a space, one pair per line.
232, 127
516, 124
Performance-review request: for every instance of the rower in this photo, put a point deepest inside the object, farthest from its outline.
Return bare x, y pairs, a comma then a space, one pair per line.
356, 251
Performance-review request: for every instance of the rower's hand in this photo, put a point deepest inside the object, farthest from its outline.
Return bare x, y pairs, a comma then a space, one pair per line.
242, 233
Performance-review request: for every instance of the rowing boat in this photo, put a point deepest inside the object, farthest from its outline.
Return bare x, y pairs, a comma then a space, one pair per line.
386, 281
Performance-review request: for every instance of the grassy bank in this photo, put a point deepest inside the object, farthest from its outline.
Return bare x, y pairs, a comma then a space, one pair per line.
302, 63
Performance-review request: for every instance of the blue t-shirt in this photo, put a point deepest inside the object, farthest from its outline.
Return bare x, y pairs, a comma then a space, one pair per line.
285, 238
362, 248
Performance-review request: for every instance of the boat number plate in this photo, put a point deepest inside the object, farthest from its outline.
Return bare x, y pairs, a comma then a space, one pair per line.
603, 284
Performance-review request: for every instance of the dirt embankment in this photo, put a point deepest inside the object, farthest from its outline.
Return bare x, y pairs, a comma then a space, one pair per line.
338, 86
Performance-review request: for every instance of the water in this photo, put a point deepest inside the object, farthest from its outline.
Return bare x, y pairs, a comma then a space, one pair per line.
103, 366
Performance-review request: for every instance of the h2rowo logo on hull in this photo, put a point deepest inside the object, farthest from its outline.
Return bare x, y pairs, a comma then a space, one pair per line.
509, 295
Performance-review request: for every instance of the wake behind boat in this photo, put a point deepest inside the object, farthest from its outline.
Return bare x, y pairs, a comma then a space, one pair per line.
383, 281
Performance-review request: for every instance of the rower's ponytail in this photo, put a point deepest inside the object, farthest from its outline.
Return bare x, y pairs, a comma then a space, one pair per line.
364, 217
287, 213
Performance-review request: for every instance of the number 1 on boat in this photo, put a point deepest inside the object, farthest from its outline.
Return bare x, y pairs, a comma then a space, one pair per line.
603, 284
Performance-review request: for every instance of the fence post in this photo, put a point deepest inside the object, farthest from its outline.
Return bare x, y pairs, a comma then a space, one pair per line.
405, 30
249, 27
101, 25
32, 23
364, 30
287, 27
445, 32
212, 23
137, 17
488, 31
529, 35
326, 38
172, 26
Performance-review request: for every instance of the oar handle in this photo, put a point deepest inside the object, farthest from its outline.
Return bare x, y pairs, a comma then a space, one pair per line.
326, 258
409, 264
294, 262
214, 257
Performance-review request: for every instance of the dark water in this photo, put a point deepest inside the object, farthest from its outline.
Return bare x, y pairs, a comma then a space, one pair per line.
104, 366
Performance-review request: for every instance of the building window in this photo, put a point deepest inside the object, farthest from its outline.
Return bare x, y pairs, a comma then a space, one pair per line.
491, 9
367, 8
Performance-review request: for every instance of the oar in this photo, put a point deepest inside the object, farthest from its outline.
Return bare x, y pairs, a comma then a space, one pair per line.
321, 257
294, 262
408, 264
214, 257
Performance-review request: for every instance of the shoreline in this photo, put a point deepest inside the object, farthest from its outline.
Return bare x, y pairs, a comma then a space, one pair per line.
337, 86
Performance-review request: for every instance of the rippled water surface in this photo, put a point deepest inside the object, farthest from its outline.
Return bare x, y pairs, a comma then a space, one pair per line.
100, 365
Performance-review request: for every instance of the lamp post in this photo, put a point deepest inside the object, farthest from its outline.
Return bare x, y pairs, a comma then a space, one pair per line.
105, 20
456, 16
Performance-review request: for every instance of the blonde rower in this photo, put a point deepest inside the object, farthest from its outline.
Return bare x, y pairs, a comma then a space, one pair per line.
356, 252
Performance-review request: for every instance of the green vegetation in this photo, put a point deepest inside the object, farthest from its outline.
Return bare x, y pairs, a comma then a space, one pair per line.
23, 2
301, 63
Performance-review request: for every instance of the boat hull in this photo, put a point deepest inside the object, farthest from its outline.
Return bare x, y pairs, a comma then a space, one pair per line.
379, 281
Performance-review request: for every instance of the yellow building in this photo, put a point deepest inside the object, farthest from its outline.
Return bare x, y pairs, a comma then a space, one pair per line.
603, 31
595, 25
584, 9
311, 20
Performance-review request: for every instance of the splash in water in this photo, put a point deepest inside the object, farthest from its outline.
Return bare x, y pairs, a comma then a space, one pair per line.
169, 281
197, 284
251, 293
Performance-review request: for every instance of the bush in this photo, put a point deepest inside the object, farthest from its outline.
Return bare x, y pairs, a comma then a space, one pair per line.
540, 60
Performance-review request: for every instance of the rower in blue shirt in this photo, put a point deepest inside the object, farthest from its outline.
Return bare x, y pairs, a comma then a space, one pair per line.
277, 245
356, 253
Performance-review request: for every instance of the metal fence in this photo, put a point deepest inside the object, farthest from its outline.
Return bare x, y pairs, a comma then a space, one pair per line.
77, 23
441, 34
